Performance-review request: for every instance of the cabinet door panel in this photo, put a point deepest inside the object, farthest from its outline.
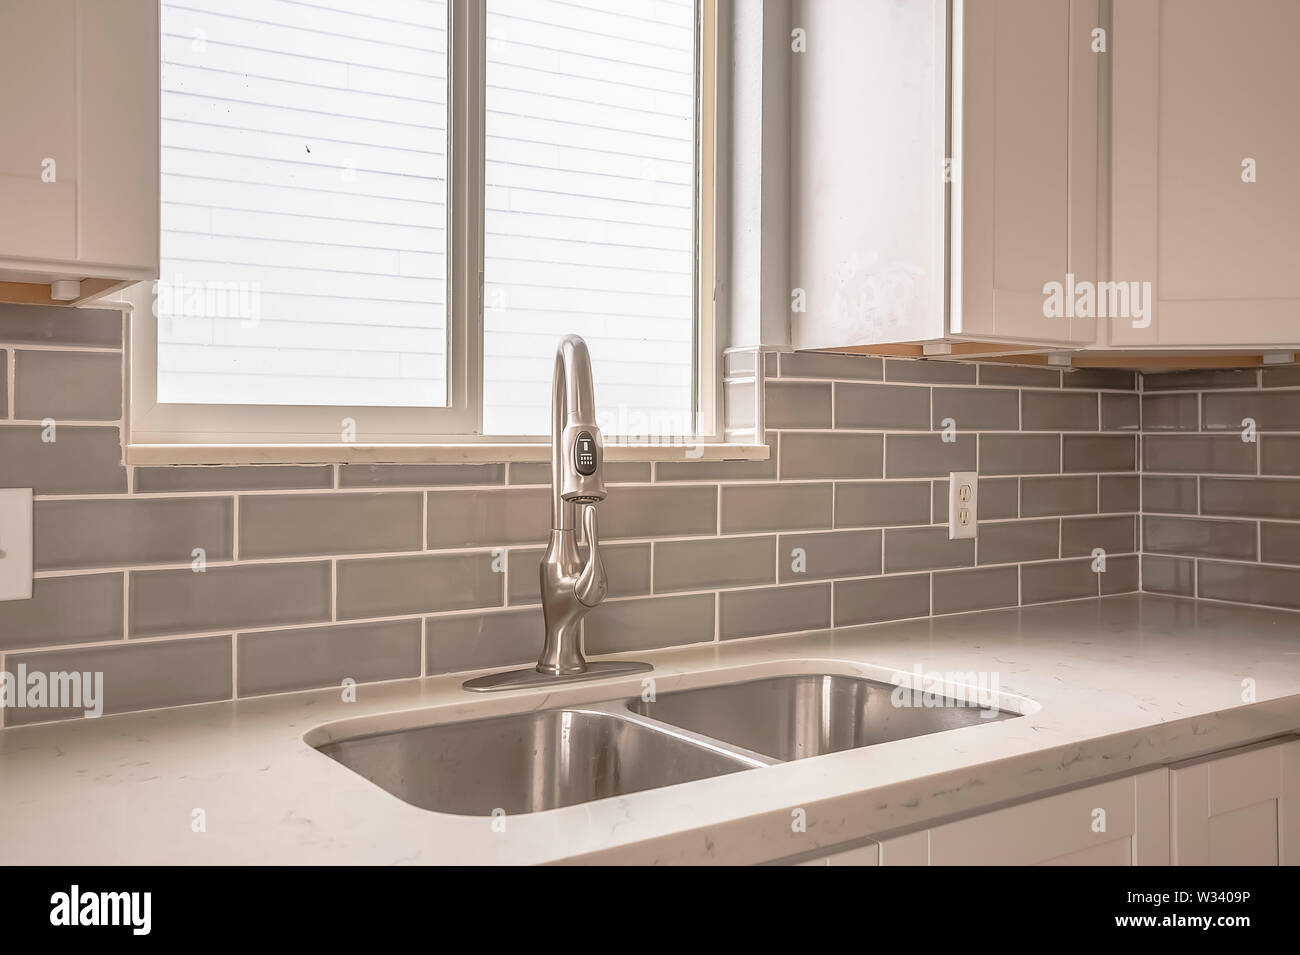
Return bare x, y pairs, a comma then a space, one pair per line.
38, 112
1025, 201
1200, 88
1236, 809
118, 208
1042, 830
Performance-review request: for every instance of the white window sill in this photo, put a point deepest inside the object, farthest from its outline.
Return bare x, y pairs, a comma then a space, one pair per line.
163, 454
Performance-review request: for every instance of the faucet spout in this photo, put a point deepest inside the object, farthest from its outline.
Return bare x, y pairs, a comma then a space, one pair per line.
576, 445
571, 587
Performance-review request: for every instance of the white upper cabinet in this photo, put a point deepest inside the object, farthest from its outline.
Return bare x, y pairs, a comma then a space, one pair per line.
1024, 200
1206, 160
899, 236
79, 154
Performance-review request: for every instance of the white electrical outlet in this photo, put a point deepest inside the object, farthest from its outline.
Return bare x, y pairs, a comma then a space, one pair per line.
963, 496
15, 543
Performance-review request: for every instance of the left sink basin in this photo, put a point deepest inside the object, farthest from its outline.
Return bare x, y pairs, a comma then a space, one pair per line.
529, 762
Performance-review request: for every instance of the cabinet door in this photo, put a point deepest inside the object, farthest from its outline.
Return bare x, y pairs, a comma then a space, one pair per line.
868, 854
1205, 96
868, 112
1121, 822
117, 213
1024, 199
1238, 809
38, 129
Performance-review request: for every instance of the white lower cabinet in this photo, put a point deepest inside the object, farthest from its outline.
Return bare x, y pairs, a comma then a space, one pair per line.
1240, 807
1096, 825
868, 854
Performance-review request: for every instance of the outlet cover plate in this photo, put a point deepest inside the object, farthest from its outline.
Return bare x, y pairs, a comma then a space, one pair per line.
15, 543
963, 496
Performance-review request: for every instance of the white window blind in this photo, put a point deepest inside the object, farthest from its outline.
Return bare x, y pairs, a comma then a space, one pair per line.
303, 202
590, 218
304, 205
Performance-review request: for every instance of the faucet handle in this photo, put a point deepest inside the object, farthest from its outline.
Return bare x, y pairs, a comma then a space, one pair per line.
591, 585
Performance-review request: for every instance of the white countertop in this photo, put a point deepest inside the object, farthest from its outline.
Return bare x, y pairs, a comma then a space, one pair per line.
1121, 684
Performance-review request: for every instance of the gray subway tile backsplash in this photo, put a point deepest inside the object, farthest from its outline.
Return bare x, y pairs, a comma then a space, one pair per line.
342, 569
68, 385
279, 661
67, 609
714, 563
1009, 542
474, 641
1249, 583
165, 602
827, 555
1020, 454
881, 503
1058, 580
1022, 376
928, 455
1171, 412
1197, 454
313, 525
774, 507
797, 404
984, 588
866, 406
876, 599
137, 676
933, 372
655, 512
117, 532
1278, 454
1250, 497
181, 479
1269, 410
420, 475
647, 623
1169, 494
826, 365
421, 583
62, 459
977, 409
1060, 410
1098, 453
1204, 380
42, 325
1082, 536
766, 610
925, 548
1199, 537
1120, 412
810, 456
1174, 576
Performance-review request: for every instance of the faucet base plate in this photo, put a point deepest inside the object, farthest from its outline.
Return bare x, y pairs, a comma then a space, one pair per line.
532, 677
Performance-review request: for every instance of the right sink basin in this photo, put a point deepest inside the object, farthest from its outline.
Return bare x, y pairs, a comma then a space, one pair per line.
799, 716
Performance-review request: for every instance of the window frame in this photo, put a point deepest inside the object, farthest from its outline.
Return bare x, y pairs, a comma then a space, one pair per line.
197, 432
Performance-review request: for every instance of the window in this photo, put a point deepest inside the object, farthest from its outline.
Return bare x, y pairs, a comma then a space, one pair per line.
378, 220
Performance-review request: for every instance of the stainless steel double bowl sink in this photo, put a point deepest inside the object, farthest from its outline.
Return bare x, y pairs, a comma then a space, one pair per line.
546, 759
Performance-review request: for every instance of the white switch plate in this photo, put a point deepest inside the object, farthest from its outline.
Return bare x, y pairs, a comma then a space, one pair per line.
963, 496
15, 543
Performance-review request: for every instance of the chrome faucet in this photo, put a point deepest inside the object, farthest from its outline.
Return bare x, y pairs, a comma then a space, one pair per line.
571, 587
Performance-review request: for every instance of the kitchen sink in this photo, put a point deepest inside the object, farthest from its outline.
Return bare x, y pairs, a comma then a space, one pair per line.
795, 717
546, 759
529, 762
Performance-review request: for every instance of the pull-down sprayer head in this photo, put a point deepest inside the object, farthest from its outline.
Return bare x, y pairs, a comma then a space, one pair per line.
578, 449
